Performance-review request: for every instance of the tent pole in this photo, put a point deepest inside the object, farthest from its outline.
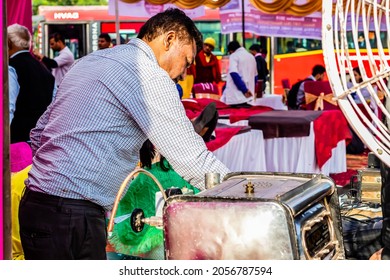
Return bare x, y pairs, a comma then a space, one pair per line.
117, 26
5, 187
243, 21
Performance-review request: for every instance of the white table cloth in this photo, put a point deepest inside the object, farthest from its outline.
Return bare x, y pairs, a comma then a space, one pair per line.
288, 154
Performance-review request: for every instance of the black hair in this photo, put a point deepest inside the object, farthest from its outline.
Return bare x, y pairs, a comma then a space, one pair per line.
146, 155
171, 19
105, 36
255, 47
233, 46
57, 36
318, 69
357, 70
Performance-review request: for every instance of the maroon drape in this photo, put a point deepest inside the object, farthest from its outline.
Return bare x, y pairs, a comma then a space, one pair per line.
20, 11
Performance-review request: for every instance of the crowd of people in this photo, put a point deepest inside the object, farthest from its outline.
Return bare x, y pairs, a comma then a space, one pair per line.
91, 121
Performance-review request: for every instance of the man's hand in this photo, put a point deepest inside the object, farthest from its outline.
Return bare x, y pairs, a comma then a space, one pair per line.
377, 255
38, 55
248, 94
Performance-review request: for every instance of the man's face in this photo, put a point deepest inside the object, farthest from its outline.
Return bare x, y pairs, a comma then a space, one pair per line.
54, 45
103, 44
178, 58
320, 77
207, 49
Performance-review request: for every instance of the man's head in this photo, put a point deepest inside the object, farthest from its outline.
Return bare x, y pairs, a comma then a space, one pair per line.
174, 39
208, 45
57, 41
255, 49
19, 38
233, 46
104, 41
318, 72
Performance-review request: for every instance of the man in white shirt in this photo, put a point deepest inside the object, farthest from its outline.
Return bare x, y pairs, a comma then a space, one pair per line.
240, 84
61, 63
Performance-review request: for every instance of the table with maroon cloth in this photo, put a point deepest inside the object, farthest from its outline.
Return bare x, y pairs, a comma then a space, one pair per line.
303, 141
231, 142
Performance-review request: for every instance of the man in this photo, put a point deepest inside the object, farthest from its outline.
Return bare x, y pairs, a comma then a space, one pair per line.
30, 84
61, 63
104, 41
262, 69
317, 74
206, 64
240, 84
88, 140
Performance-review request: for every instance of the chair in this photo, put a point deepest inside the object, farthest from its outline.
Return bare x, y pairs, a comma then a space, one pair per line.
319, 96
206, 90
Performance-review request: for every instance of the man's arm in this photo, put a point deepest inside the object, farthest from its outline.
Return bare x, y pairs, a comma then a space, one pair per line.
13, 91
50, 63
158, 115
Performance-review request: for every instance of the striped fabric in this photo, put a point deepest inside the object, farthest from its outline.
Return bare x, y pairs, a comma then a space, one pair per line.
108, 104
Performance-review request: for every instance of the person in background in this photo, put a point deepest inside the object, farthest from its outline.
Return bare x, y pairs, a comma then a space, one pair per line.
20, 164
149, 243
364, 91
142, 193
242, 76
262, 69
188, 82
87, 142
207, 68
31, 85
290, 47
62, 62
317, 74
104, 41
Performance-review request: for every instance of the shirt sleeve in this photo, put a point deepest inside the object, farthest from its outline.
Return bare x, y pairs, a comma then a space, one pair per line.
63, 58
238, 82
50, 63
13, 91
157, 109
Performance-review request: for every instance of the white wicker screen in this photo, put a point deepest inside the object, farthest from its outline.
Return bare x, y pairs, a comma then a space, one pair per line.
361, 18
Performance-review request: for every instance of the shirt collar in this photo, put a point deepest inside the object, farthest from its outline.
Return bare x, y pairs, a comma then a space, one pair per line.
139, 43
18, 52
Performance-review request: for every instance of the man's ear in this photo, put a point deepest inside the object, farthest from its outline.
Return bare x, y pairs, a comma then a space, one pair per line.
9, 44
170, 37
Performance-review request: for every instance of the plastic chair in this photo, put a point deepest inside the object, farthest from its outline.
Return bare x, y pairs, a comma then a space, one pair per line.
206, 90
319, 96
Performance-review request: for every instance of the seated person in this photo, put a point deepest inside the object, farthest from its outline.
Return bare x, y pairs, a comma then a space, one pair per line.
364, 91
142, 191
149, 243
20, 159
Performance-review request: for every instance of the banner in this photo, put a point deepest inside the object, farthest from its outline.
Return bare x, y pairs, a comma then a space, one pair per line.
144, 9
277, 25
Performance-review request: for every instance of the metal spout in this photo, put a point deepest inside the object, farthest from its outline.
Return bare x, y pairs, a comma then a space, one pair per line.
122, 188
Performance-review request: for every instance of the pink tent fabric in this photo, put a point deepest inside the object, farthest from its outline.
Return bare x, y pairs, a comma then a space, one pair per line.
20, 11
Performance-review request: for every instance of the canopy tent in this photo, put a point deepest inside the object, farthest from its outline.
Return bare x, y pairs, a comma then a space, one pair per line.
20, 11
267, 6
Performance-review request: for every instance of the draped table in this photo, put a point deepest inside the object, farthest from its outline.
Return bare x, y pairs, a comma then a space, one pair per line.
303, 141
